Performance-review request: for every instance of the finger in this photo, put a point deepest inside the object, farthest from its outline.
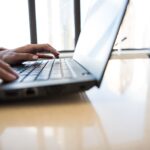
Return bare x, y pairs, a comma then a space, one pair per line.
7, 67
6, 76
46, 56
2, 48
34, 48
6, 72
46, 48
51, 49
19, 57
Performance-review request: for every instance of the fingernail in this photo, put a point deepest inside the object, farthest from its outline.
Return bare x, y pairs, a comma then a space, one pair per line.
17, 76
35, 57
57, 53
57, 56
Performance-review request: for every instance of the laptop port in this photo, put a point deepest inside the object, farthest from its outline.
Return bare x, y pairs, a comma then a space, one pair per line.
11, 93
30, 92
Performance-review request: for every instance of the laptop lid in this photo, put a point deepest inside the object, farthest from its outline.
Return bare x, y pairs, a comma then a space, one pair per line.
98, 35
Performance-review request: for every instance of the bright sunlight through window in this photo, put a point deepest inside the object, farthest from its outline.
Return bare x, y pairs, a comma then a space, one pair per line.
14, 24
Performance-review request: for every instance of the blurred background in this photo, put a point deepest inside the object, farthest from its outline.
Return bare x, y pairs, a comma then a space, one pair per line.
55, 23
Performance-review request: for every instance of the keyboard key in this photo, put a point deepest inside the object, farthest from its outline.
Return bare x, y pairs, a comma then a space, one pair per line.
27, 71
20, 78
19, 69
56, 70
35, 72
44, 74
44, 70
29, 78
67, 74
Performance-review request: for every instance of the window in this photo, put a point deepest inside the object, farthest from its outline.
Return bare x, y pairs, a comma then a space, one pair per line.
14, 24
136, 25
84, 9
55, 23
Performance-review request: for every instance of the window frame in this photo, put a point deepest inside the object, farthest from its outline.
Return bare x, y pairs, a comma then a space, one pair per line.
33, 26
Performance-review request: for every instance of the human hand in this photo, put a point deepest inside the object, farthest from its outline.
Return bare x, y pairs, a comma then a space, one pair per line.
2, 48
6, 72
27, 52
37, 48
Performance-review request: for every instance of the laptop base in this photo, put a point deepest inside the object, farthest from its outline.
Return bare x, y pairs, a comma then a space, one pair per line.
45, 92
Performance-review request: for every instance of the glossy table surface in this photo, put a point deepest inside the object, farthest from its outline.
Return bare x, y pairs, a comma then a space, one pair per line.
114, 117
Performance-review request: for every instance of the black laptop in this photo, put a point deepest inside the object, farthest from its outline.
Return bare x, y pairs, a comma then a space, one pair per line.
44, 78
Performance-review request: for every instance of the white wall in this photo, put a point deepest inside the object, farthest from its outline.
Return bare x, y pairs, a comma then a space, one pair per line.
84, 9
14, 23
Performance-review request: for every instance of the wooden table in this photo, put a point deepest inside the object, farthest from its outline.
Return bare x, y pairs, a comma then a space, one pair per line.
113, 117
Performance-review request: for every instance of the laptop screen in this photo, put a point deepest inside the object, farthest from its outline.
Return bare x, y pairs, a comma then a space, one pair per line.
98, 34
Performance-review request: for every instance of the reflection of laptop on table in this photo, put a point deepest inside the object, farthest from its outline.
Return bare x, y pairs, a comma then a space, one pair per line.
86, 68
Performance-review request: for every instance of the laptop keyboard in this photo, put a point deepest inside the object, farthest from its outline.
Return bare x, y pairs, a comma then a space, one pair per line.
43, 70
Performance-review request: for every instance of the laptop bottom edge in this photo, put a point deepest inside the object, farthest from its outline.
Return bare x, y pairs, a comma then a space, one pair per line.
44, 92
